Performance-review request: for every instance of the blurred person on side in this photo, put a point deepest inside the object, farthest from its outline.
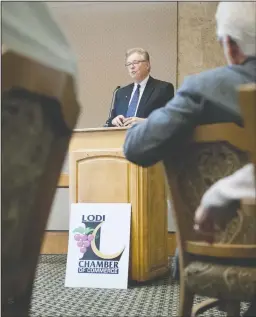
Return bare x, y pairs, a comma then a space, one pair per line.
205, 98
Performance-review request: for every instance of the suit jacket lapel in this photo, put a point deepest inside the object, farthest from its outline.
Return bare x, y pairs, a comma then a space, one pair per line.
146, 95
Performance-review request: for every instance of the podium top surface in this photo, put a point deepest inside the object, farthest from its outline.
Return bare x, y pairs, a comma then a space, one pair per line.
97, 139
99, 129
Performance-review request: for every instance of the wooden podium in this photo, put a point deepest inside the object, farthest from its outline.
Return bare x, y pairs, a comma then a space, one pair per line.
99, 173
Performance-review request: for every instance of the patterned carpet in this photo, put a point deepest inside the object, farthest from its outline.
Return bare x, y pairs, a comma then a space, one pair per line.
51, 298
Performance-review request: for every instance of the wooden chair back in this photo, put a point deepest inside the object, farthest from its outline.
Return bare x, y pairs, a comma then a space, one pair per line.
247, 97
215, 151
39, 112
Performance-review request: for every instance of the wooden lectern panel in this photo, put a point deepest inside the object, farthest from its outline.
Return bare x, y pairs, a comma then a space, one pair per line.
103, 176
158, 216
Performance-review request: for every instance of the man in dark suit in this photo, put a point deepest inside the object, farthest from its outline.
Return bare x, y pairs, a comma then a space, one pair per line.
134, 103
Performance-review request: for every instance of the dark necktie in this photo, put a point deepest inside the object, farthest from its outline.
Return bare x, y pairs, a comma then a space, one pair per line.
133, 104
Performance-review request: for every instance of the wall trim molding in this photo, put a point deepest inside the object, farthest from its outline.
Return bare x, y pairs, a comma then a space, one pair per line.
55, 242
63, 181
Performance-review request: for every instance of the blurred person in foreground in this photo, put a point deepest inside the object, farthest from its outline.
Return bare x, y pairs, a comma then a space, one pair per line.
39, 111
204, 98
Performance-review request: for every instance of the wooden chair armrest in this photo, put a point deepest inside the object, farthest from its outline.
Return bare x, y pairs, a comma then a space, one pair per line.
221, 250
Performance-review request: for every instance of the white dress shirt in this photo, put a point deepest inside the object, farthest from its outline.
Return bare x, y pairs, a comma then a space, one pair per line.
142, 87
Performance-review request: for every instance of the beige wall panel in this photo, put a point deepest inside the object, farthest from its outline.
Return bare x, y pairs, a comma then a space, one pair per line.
198, 49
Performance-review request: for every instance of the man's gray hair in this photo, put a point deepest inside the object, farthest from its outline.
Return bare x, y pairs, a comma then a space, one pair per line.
138, 50
238, 20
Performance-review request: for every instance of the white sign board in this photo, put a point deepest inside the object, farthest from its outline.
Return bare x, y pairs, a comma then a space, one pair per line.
99, 245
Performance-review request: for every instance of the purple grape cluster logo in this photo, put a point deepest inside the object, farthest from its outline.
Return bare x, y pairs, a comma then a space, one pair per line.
84, 237
88, 239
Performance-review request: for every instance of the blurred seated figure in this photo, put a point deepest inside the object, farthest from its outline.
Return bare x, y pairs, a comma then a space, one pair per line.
39, 113
205, 98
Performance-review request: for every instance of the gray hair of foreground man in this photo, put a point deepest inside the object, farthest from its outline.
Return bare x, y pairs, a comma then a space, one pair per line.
238, 21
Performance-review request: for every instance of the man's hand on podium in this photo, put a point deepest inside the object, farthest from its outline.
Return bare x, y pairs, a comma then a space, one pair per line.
121, 121
118, 121
129, 122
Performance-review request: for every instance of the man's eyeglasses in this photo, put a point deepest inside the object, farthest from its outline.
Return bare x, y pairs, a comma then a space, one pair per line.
134, 63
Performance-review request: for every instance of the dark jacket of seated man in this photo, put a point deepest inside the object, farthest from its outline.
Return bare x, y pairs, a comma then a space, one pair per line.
209, 97
156, 94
